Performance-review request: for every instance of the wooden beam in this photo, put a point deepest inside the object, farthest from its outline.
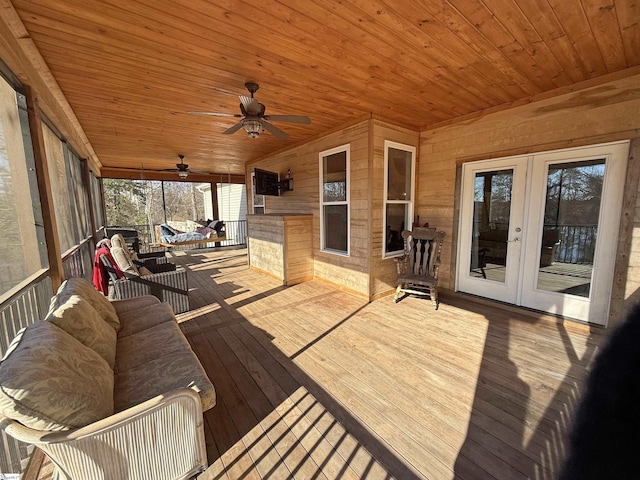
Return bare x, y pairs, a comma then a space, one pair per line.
109, 172
86, 173
214, 200
54, 252
618, 301
32, 472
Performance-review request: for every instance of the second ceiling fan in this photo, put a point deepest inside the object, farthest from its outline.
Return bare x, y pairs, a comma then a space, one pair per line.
254, 121
183, 169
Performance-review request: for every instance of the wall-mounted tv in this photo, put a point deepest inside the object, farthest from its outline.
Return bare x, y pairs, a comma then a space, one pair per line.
267, 183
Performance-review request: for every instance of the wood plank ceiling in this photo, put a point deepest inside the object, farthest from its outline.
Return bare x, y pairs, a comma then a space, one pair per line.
132, 69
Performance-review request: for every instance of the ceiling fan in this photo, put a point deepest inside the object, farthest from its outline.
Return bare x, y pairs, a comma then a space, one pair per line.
183, 169
254, 121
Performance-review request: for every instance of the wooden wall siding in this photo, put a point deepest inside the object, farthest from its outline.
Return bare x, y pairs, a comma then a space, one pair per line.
281, 246
383, 271
352, 271
595, 115
627, 275
266, 244
298, 244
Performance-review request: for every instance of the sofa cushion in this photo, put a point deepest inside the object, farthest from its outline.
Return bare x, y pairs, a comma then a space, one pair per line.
147, 316
50, 381
142, 347
135, 303
85, 289
75, 315
161, 375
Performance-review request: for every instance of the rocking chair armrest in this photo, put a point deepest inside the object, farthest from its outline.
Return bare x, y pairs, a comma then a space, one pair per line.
402, 264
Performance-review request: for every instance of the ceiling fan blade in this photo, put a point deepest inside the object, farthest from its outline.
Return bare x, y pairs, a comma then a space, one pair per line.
289, 118
199, 172
275, 131
251, 105
215, 114
233, 129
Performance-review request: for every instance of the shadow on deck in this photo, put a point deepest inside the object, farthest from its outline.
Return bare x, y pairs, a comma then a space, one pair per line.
315, 383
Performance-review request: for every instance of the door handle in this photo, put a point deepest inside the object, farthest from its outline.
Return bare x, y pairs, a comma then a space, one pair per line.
517, 239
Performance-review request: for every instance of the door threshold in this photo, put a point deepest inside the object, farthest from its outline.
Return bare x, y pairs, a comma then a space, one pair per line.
529, 314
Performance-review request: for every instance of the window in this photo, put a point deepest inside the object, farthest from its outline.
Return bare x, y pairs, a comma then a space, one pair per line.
399, 172
258, 200
334, 200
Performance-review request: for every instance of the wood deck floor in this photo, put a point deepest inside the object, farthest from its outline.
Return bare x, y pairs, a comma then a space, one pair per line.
313, 382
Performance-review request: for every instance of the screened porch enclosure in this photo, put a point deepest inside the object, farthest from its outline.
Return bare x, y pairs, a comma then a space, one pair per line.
328, 378
52, 212
141, 205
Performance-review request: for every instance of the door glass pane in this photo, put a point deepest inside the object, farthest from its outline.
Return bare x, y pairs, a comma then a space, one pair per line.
396, 223
572, 208
491, 212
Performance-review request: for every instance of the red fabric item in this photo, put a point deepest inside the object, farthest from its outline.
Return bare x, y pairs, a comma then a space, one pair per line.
100, 276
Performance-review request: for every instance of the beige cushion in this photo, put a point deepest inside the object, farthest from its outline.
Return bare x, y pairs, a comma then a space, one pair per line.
147, 316
128, 304
50, 381
162, 375
154, 342
75, 315
144, 271
118, 241
85, 289
123, 259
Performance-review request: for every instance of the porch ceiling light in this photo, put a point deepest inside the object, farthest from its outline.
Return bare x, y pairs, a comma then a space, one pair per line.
253, 127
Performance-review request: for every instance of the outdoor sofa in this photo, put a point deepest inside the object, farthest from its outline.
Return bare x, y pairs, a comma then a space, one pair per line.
108, 390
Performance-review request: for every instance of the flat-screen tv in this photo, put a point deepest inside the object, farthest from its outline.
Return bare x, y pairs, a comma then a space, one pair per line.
267, 183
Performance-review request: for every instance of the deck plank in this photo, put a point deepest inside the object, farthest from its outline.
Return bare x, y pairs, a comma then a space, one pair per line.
313, 382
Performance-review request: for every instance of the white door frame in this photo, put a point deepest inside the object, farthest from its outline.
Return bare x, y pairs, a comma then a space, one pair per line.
506, 291
530, 204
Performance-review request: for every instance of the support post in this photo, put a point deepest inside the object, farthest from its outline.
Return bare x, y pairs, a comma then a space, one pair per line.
54, 254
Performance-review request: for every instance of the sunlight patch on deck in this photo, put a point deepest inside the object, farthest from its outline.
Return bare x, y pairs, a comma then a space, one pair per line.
298, 439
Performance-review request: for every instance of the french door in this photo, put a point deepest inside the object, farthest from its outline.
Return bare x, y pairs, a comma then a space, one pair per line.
541, 230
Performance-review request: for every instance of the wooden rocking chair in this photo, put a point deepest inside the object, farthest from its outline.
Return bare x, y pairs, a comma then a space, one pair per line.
418, 267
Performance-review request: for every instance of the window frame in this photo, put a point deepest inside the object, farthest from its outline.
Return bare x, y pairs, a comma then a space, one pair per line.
321, 156
385, 201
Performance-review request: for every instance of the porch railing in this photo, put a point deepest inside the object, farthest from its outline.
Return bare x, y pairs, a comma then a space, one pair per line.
236, 232
577, 242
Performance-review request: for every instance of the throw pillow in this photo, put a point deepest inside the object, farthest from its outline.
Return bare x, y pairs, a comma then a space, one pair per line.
50, 381
85, 289
78, 318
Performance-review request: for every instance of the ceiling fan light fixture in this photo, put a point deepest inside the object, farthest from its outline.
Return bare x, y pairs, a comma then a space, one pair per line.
253, 127
183, 174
